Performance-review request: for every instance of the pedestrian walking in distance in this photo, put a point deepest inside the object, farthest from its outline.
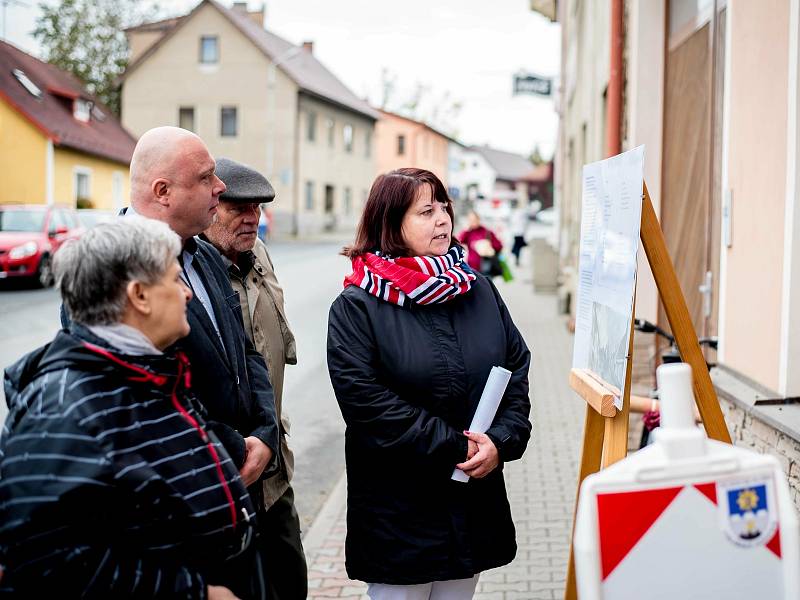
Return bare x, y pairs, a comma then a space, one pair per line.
483, 247
111, 486
411, 341
252, 276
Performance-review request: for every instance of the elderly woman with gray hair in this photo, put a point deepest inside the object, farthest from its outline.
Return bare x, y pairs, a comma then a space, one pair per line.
111, 486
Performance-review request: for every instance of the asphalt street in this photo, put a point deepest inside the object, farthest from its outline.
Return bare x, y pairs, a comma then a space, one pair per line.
311, 274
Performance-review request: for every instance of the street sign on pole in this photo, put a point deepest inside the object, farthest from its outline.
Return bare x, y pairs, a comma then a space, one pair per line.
528, 83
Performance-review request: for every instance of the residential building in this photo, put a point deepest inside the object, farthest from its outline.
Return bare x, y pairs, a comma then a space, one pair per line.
510, 173
540, 185
256, 98
489, 180
58, 144
470, 176
711, 90
404, 142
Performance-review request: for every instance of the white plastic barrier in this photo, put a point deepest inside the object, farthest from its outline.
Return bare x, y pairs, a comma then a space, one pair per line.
687, 517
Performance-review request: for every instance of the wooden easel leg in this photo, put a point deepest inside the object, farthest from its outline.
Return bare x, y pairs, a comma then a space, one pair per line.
680, 322
593, 433
615, 446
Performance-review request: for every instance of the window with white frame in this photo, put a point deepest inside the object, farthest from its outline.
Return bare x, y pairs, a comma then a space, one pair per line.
311, 126
309, 195
82, 110
348, 200
347, 137
228, 118
186, 117
117, 189
82, 185
330, 125
209, 49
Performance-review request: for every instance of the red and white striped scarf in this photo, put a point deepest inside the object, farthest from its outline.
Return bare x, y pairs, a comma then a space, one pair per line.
416, 279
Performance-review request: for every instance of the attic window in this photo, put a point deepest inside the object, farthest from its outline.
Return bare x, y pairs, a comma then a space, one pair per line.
32, 88
82, 110
209, 49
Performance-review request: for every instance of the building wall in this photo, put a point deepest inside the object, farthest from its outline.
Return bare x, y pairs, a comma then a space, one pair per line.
140, 41
644, 52
585, 69
324, 164
101, 179
748, 431
173, 77
424, 149
756, 177
23, 159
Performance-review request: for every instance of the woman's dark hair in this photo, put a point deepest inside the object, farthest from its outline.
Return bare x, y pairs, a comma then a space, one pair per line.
380, 227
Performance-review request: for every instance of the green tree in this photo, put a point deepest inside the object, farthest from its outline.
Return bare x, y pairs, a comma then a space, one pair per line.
536, 156
86, 38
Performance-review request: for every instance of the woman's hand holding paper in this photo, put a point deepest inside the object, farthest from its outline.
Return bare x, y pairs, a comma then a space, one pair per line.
485, 460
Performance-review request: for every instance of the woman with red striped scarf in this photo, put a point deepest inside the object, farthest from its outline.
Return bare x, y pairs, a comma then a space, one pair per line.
411, 341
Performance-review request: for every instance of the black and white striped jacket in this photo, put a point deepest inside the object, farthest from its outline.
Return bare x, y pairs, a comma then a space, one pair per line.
110, 485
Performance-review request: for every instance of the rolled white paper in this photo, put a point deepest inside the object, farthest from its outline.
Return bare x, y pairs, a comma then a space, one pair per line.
487, 408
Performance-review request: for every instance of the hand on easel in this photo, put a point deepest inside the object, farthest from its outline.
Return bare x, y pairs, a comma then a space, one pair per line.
485, 460
643, 404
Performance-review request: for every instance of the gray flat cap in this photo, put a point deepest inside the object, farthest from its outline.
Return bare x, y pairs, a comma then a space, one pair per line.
244, 184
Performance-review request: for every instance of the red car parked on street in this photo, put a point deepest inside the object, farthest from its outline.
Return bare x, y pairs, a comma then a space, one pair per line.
30, 235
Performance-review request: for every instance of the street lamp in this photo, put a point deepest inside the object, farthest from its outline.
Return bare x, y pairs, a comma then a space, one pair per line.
271, 77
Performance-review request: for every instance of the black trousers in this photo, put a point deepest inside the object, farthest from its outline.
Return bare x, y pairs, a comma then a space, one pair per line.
282, 557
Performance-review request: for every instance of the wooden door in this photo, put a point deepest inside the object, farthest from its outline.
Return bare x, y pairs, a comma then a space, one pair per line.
691, 183
685, 175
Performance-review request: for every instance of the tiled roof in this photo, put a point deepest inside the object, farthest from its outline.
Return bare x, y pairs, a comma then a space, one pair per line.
311, 76
509, 166
52, 113
423, 124
540, 173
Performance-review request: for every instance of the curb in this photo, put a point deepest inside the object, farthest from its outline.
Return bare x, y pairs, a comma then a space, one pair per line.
320, 527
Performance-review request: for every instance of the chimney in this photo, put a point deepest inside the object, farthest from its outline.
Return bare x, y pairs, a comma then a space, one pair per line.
259, 15
308, 46
240, 7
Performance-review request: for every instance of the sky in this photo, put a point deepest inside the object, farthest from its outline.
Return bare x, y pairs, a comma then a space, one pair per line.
465, 50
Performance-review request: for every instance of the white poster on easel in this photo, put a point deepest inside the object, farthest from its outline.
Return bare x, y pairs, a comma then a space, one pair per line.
610, 219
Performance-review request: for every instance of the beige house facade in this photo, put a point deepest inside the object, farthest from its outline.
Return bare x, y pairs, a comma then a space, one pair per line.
404, 142
252, 96
711, 89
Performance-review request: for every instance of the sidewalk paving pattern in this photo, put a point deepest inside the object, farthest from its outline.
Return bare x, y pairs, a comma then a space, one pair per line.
541, 486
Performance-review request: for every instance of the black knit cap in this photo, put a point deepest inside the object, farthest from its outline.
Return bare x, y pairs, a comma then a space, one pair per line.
244, 184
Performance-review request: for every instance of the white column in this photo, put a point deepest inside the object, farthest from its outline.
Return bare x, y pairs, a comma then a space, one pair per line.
647, 20
789, 368
725, 185
49, 176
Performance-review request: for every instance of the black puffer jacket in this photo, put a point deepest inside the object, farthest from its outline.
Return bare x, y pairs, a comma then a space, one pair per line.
110, 487
408, 381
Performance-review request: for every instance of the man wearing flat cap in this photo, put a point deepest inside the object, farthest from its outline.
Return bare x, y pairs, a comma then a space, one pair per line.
252, 275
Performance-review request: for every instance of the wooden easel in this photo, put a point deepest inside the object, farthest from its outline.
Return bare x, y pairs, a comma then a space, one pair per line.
605, 437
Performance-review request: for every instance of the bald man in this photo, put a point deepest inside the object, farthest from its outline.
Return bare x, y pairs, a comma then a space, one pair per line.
173, 180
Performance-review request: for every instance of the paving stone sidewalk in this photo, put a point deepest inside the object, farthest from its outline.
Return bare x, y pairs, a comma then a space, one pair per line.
541, 486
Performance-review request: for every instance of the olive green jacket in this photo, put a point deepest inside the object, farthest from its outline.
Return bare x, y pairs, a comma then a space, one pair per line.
265, 323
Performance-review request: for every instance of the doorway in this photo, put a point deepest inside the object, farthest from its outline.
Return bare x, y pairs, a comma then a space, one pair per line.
692, 152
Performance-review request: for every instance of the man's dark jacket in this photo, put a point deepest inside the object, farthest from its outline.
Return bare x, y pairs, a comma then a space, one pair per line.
231, 382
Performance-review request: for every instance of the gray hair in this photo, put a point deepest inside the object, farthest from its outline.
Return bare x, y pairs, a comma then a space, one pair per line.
93, 272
